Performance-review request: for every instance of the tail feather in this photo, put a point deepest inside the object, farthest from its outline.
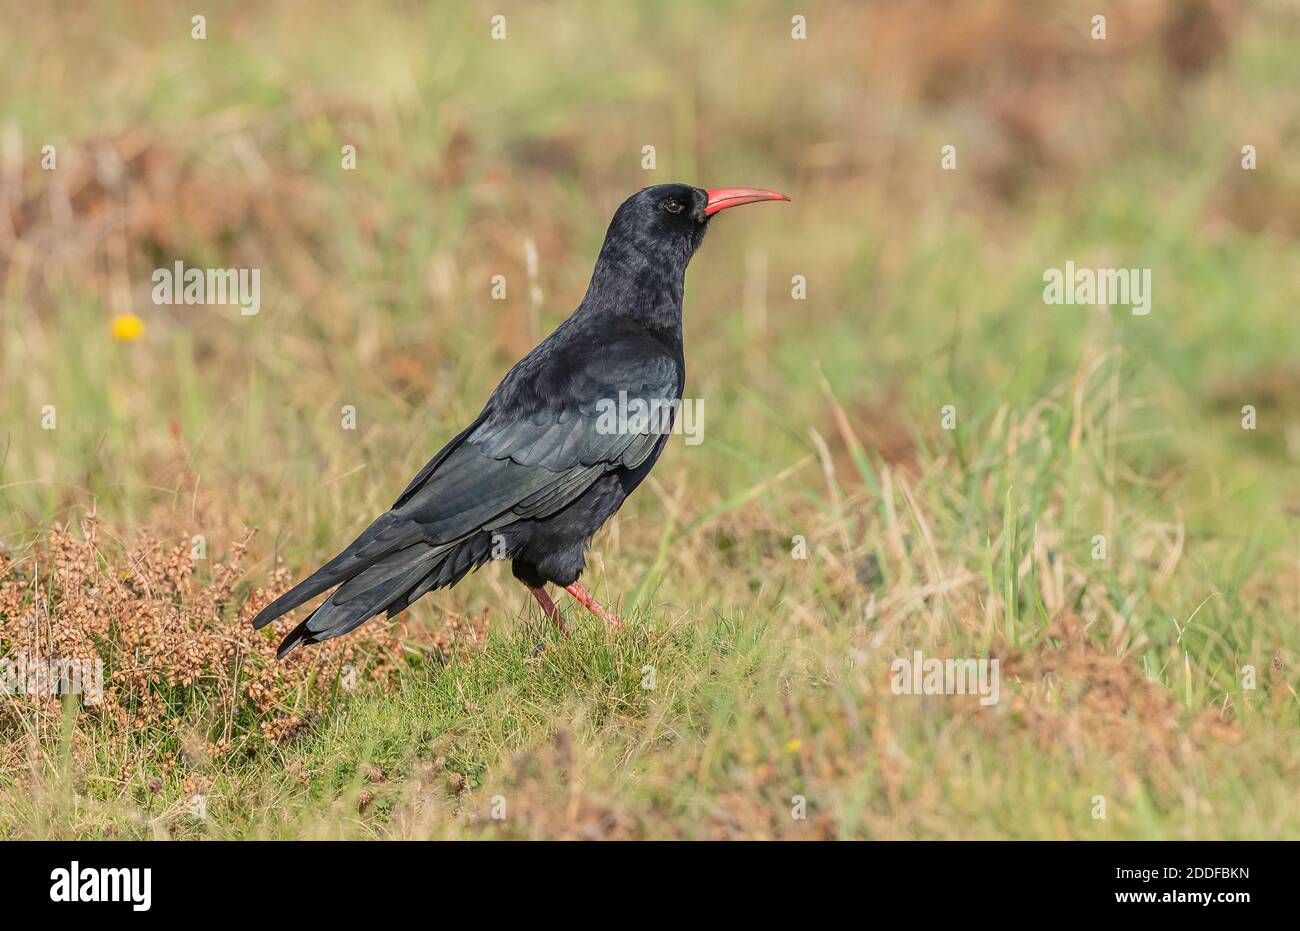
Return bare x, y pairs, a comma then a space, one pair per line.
388, 533
451, 566
382, 570
365, 595
385, 570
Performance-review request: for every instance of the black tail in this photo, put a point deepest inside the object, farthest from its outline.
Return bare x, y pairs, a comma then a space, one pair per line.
377, 587
388, 533
385, 569
389, 541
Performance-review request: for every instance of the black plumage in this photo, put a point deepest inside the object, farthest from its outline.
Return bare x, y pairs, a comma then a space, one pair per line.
539, 471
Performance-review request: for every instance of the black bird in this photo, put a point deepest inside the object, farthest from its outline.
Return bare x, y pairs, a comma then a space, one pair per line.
546, 463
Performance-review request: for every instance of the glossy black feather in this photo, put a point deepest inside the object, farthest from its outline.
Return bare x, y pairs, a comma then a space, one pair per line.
539, 471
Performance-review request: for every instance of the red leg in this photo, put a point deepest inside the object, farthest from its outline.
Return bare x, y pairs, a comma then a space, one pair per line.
594, 606
549, 608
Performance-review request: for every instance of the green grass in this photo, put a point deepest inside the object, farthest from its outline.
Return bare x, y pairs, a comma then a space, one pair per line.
1122, 676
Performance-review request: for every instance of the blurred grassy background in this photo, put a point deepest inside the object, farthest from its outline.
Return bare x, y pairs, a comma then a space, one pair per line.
924, 289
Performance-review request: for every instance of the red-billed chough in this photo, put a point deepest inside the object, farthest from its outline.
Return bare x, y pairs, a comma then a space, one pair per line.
542, 468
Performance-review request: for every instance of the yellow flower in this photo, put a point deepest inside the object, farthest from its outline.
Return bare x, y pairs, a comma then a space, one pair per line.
127, 328
793, 746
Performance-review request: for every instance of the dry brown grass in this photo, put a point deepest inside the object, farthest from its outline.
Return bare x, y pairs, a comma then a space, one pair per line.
175, 647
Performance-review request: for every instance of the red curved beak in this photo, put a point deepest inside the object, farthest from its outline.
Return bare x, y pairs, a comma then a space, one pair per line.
723, 197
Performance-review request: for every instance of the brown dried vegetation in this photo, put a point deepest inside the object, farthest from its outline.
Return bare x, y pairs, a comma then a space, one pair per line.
175, 647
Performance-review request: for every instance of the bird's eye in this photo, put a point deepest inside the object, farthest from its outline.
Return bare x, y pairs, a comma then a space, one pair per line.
674, 206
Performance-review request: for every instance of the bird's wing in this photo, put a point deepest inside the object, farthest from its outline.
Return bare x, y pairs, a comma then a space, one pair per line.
530, 460
534, 450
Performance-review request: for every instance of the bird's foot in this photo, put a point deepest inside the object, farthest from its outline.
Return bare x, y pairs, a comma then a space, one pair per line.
586, 599
549, 608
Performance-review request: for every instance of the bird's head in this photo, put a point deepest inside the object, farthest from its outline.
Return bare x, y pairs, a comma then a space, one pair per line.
669, 220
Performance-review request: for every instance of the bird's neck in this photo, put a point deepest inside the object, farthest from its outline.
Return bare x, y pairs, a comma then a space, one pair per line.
638, 284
